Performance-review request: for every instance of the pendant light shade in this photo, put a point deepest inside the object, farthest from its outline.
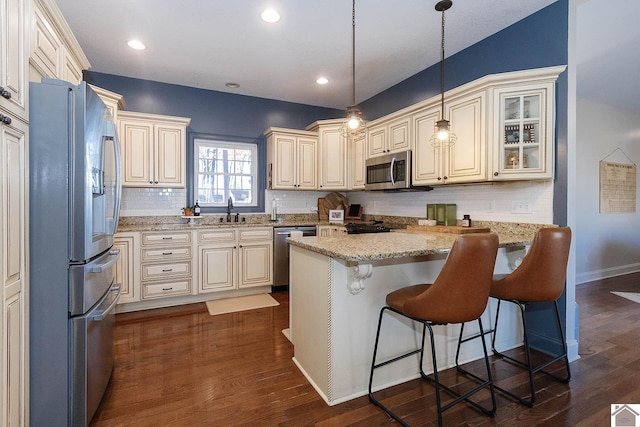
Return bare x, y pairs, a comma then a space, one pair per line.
353, 127
442, 135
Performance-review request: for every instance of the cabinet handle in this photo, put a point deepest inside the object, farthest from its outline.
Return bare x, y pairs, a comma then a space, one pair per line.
167, 253
5, 93
5, 119
166, 270
495, 174
167, 238
167, 289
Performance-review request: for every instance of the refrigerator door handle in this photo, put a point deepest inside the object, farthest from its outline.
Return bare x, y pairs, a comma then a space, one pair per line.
115, 255
116, 144
101, 315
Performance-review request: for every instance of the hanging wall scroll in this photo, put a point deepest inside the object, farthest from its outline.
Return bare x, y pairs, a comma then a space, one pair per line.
617, 186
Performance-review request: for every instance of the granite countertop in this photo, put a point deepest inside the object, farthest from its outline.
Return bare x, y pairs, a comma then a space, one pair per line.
403, 243
181, 223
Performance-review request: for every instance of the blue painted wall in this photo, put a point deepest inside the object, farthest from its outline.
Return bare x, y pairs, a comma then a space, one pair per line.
211, 111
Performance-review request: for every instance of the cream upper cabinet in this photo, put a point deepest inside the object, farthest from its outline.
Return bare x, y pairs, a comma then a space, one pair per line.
333, 162
389, 136
13, 280
291, 159
153, 149
426, 159
523, 132
54, 50
357, 156
465, 161
14, 26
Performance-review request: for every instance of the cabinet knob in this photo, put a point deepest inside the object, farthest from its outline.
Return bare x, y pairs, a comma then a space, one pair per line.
446, 177
495, 174
5, 119
439, 179
5, 93
155, 182
150, 182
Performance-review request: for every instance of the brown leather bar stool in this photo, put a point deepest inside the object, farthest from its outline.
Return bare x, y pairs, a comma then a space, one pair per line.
539, 278
459, 294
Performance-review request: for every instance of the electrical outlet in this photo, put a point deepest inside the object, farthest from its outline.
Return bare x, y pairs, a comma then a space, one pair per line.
314, 209
520, 207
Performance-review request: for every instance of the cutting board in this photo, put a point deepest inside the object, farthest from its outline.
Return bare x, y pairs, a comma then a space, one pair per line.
454, 229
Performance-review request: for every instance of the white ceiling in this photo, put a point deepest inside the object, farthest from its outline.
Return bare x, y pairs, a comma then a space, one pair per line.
207, 43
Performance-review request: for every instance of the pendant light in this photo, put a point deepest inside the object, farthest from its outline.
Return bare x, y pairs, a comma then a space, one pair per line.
443, 136
353, 127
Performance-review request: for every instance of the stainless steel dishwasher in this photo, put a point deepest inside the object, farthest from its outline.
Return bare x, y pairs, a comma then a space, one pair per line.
281, 253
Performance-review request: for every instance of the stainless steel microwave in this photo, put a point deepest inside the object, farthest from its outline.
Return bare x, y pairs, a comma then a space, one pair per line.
389, 172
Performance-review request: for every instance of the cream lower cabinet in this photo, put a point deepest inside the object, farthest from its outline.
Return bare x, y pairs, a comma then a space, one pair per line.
291, 159
466, 160
165, 264
153, 149
232, 259
13, 280
128, 266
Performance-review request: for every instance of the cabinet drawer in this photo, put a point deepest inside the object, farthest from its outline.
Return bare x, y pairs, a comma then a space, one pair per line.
166, 289
166, 254
179, 237
253, 234
227, 235
166, 270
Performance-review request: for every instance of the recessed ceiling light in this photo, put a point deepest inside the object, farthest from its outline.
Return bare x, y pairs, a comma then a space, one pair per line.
232, 85
270, 15
322, 80
136, 44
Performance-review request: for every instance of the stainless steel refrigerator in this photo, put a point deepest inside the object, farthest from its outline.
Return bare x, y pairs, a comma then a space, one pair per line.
74, 204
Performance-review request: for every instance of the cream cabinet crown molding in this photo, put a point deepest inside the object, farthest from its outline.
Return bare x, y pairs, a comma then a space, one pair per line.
155, 117
288, 131
50, 8
116, 97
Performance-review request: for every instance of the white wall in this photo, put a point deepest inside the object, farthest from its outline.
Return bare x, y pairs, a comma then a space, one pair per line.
606, 244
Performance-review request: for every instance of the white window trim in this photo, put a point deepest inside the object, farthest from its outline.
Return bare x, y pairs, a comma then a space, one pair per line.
198, 142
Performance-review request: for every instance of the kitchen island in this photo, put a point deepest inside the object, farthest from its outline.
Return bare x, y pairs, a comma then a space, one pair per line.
338, 286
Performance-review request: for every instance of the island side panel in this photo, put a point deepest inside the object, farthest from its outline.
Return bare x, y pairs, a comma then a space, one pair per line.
309, 322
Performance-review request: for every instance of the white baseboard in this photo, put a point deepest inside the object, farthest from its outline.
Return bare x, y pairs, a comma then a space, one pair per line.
605, 273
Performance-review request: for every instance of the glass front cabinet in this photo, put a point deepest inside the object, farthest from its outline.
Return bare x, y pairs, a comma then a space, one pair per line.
523, 132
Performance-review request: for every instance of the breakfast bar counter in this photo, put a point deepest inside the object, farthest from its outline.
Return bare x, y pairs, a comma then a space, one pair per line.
338, 286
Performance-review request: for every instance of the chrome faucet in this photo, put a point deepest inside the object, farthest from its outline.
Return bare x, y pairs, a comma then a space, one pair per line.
229, 207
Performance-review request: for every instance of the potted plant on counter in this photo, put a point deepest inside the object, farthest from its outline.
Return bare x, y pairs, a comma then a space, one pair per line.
187, 211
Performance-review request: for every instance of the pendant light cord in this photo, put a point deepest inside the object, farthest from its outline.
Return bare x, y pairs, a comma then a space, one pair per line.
442, 64
353, 54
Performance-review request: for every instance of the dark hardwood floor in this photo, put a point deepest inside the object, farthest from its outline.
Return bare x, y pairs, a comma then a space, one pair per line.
182, 367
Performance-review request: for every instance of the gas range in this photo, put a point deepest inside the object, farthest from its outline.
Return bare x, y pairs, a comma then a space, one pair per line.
362, 228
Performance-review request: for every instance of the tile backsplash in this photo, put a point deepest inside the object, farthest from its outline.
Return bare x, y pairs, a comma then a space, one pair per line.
486, 202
